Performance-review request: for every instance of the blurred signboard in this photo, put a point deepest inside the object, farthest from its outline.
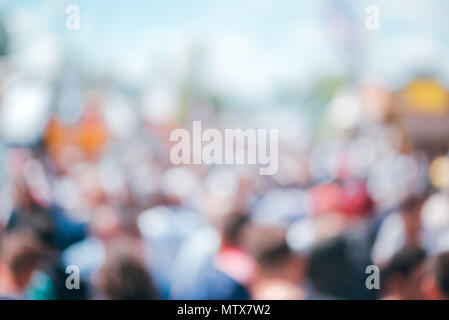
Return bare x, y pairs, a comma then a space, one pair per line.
423, 108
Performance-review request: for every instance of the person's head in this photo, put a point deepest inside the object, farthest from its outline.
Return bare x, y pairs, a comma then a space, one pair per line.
411, 214
20, 255
328, 267
124, 276
23, 200
436, 285
270, 250
413, 203
38, 222
403, 275
280, 272
232, 229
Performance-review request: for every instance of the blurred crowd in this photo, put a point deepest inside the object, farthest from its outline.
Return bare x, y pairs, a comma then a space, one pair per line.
138, 227
86, 182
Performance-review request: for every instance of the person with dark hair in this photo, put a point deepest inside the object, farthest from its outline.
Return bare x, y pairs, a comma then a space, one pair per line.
53, 228
230, 273
47, 220
124, 276
442, 275
399, 229
327, 270
336, 268
411, 214
280, 272
402, 277
20, 255
435, 285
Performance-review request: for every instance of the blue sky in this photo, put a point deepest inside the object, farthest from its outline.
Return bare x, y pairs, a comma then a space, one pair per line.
250, 45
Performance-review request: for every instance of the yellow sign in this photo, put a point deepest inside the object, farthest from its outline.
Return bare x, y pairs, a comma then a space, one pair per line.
427, 97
